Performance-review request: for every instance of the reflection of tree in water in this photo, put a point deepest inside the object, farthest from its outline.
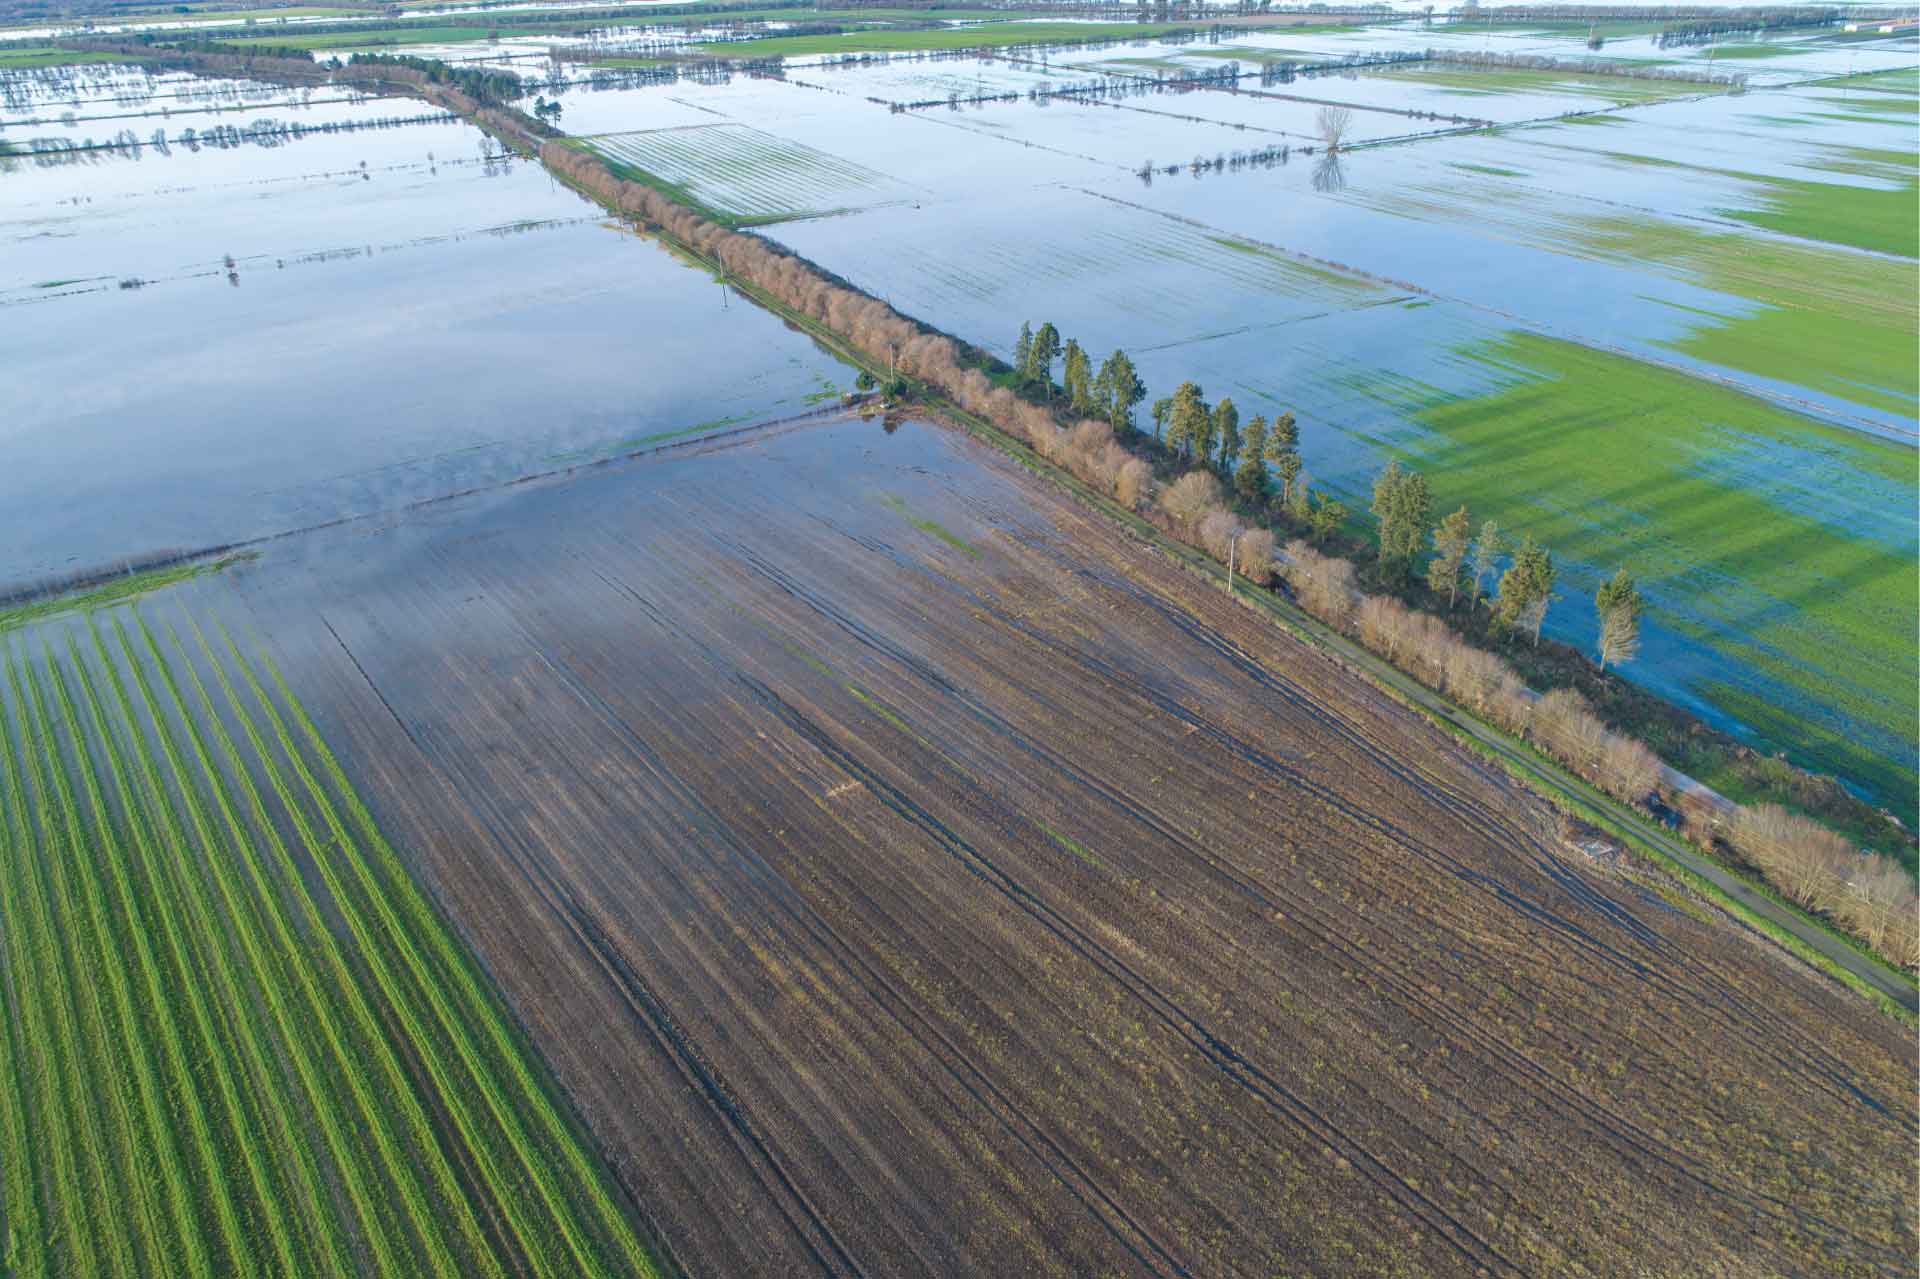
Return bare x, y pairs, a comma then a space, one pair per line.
1328, 177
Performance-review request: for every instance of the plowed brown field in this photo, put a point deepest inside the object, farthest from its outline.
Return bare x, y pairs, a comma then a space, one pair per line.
907, 874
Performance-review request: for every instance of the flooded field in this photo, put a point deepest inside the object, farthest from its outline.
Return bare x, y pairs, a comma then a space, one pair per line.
905, 873
304, 329
1714, 275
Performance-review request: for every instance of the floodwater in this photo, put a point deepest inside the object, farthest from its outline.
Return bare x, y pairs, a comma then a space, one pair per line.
213, 344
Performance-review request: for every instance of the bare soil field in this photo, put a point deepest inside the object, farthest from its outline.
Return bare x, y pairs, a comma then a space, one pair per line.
905, 873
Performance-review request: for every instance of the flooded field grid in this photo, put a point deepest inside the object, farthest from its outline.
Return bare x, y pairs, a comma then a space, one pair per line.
1733, 259
905, 873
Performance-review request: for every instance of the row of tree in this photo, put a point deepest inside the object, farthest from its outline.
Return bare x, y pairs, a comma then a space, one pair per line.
1261, 461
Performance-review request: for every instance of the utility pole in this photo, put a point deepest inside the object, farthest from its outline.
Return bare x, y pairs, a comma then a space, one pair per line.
1233, 548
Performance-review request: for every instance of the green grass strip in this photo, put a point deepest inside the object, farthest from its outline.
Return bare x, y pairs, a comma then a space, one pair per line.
397, 1089
157, 1137
232, 923
117, 591
450, 1086
82, 1045
386, 1228
32, 1080
453, 1025
482, 1009
223, 1170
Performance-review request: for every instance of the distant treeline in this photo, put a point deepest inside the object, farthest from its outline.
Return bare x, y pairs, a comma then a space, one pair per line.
1752, 17
1704, 30
483, 84
1582, 66
264, 132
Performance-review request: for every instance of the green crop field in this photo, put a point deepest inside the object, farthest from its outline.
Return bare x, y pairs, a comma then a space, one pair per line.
238, 1037
26, 59
371, 37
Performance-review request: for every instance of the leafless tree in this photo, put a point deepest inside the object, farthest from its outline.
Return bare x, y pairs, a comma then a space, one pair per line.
1332, 124
1191, 497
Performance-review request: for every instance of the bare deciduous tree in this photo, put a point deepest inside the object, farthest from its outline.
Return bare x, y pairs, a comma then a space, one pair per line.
1332, 124
1191, 497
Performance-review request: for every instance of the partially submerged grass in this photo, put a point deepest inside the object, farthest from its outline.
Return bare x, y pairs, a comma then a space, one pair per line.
1694, 487
1486, 81
1833, 321
115, 591
1882, 218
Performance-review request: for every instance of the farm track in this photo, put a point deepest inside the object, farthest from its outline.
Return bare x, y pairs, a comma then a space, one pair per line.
217, 1046
890, 904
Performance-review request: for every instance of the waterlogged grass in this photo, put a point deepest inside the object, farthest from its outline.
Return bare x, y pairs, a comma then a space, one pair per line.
634, 443
1740, 519
1830, 320
1828, 745
238, 1037
1751, 51
1884, 217
991, 35
118, 591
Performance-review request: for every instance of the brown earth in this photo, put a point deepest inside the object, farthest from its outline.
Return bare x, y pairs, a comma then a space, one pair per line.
906, 873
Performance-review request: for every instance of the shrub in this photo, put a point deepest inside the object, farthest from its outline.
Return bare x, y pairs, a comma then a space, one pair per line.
1256, 556
1191, 497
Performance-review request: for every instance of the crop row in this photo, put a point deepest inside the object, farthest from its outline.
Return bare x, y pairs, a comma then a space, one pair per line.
238, 1037
743, 170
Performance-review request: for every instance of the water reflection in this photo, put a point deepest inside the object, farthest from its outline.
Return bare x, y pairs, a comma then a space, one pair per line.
1328, 177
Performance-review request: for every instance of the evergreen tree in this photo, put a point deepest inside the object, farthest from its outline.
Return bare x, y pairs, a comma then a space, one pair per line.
1119, 388
1327, 516
1483, 560
1023, 353
1076, 374
1296, 495
1400, 503
1226, 432
1162, 418
1450, 540
1250, 477
1046, 349
1526, 588
1190, 426
1283, 450
1620, 605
